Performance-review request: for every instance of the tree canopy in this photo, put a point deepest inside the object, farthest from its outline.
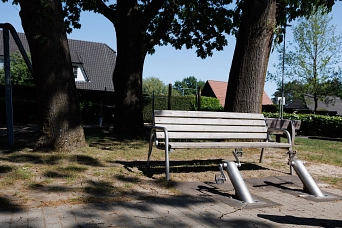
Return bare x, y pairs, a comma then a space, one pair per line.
20, 74
153, 85
312, 63
188, 86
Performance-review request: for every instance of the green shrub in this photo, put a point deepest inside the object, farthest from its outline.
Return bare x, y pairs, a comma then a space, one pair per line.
207, 104
315, 125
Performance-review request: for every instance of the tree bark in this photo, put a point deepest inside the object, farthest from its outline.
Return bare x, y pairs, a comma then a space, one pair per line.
133, 43
59, 114
127, 77
253, 45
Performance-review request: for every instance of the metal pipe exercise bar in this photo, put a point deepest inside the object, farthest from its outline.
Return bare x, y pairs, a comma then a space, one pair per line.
7, 28
309, 185
231, 167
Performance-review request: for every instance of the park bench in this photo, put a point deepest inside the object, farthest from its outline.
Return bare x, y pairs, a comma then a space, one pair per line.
173, 129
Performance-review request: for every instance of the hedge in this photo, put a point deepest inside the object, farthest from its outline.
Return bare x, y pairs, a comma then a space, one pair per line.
315, 125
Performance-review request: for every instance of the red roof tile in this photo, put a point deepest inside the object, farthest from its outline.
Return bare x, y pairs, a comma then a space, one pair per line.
219, 88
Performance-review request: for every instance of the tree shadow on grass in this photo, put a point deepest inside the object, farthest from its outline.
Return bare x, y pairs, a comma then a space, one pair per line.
86, 160
21, 141
197, 166
5, 169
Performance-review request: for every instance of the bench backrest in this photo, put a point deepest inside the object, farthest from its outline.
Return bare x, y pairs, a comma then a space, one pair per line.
282, 123
210, 125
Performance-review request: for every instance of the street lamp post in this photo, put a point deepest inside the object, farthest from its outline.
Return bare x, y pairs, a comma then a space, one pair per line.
283, 75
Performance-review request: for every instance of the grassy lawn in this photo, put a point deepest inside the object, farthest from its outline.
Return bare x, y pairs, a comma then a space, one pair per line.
320, 151
109, 169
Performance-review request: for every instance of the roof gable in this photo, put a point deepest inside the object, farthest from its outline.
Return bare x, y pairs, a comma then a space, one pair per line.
97, 60
219, 89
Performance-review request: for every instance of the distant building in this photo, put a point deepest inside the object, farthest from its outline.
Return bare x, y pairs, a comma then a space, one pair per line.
218, 90
332, 107
93, 63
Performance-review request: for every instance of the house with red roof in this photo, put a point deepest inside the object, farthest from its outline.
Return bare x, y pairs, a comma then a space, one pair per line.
218, 90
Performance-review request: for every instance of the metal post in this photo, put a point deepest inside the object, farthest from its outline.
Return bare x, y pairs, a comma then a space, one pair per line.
282, 78
308, 182
198, 98
235, 177
8, 86
152, 112
169, 97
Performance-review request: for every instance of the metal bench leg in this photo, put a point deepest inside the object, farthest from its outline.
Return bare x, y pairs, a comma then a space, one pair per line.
292, 154
261, 155
167, 162
150, 151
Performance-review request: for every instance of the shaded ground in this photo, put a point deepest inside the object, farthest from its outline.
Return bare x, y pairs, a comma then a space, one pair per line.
110, 170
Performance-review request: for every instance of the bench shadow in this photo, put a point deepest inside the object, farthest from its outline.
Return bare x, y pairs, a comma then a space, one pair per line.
281, 186
7, 204
197, 166
294, 220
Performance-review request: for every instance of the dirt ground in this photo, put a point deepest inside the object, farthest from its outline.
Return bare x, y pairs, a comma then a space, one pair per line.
131, 183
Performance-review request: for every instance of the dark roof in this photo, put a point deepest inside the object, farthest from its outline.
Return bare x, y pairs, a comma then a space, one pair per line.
334, 104
218, 89
97, 59
296, 105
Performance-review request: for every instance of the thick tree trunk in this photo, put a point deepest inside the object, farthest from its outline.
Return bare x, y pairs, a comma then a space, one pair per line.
251, 55
127, 78
59, 113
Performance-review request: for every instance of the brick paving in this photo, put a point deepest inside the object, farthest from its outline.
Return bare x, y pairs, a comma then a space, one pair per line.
281, 203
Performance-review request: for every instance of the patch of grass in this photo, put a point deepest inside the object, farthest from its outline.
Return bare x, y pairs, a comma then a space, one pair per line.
319, 151
20, 173
334, 181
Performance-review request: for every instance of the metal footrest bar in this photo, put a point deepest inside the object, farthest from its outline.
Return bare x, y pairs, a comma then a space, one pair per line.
231, 167
308, 182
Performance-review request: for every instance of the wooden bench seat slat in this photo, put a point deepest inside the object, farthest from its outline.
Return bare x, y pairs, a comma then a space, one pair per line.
206, 114
203, 121
222, 145
212, 135
214, 128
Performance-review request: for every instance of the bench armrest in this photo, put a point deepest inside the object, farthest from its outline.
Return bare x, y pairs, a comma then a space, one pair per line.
153, 131
288, 136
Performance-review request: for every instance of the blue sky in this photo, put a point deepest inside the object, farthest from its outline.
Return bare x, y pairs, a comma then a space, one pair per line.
167, 64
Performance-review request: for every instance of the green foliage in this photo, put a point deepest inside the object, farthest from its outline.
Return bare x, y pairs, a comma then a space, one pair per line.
191, 23
161, 103
154, 85
270, 108
315, 125
207, 104
312, 66
188, 86
20, 74
292, 91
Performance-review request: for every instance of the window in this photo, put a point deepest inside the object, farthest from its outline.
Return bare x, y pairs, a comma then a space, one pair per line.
75, 69
79, 73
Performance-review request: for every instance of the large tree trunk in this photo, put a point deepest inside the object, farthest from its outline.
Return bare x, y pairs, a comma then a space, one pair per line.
127, 78
59, 113
251, 55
